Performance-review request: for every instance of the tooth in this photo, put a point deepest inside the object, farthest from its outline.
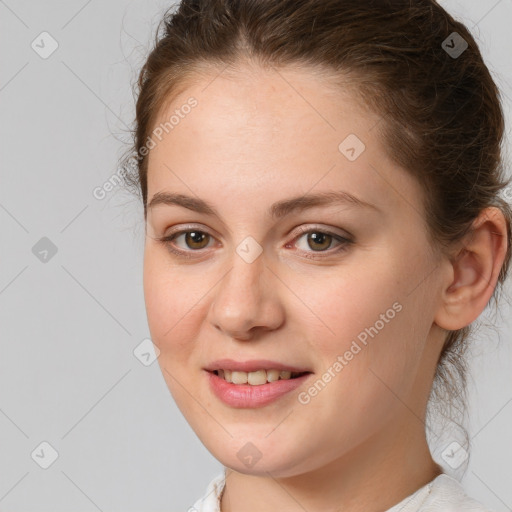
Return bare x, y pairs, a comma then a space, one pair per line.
239, 377
256, 378
272, 375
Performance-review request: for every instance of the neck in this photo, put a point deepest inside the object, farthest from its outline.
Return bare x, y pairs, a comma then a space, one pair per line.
375, 476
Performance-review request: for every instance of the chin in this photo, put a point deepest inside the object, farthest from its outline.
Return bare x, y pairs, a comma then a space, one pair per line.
278, 469
258, 455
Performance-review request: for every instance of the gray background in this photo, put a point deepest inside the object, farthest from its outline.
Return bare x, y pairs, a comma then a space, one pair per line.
69, 326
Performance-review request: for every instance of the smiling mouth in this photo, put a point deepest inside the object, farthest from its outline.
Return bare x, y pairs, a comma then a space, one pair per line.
258, 377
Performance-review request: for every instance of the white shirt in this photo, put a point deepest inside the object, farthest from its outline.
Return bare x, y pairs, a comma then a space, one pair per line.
443, 494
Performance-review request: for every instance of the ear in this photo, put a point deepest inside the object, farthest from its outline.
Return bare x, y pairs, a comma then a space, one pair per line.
473, 271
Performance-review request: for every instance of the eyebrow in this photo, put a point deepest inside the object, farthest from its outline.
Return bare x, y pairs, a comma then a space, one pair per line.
278, 210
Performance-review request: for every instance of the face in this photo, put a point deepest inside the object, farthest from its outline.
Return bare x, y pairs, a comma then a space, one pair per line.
345, 290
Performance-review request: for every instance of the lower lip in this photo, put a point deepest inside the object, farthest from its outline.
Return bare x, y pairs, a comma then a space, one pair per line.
249, 396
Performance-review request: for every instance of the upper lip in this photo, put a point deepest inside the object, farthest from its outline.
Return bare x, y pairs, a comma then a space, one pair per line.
253, 365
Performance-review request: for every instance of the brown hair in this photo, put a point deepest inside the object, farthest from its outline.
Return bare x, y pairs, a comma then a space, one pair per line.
441, 114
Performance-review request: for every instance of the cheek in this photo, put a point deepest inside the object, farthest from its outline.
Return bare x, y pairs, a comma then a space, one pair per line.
369, 348
369, 318
173, 309
173, 301
344, 303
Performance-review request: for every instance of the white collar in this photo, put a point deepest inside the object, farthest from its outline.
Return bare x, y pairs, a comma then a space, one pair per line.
443, 493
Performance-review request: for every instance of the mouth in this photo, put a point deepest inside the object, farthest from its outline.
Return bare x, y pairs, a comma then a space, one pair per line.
254, 388
257, 377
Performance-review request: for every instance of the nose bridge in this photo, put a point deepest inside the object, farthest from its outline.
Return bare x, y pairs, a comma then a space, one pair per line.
243, 300
241, 289
248, 263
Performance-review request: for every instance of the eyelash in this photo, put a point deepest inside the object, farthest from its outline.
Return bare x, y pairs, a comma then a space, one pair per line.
345, 242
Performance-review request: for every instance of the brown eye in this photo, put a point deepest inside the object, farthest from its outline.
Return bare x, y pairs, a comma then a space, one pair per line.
313, 242
318, 240
189, 243
196, 239
185, 243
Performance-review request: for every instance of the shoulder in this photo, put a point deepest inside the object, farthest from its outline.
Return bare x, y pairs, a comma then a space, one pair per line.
448, 495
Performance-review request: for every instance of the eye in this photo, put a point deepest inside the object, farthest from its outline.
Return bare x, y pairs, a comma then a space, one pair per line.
320, 241
194, 240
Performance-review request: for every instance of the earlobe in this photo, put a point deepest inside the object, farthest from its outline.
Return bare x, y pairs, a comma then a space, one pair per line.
474, 271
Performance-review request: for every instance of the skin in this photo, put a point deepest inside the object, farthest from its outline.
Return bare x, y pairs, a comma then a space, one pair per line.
252, 140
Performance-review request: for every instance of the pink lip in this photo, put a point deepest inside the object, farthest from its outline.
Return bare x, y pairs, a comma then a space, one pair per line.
251, 366
248, 396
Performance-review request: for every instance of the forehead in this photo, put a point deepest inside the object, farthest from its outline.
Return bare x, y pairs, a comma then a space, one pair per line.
272, 130
268, 108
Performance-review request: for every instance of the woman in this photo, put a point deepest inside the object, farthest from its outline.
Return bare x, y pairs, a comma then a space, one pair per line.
322, 189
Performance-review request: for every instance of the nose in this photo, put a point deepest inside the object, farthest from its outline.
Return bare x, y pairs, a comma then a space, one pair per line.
246, 300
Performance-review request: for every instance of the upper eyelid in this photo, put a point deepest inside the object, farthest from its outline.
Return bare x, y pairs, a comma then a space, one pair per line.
301, 231
340, 238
